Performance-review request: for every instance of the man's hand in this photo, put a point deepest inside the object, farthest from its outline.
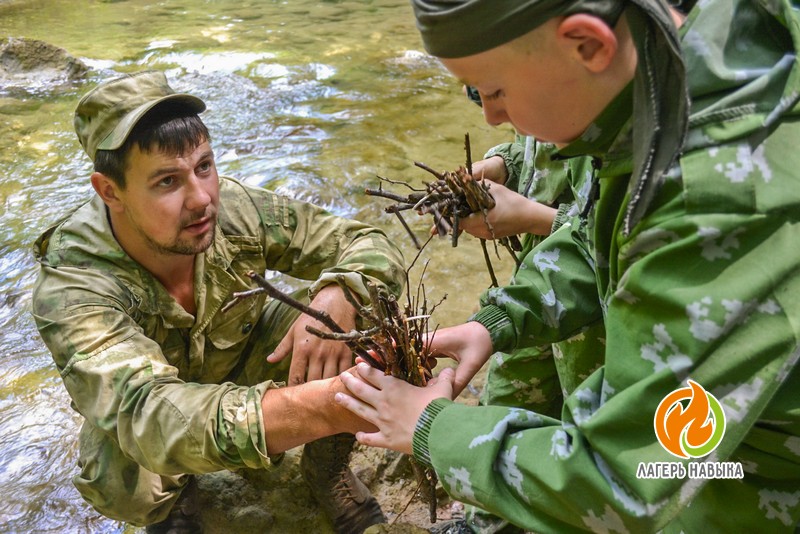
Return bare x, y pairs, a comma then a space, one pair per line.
513, 214
469, 344
390, 404
313, 357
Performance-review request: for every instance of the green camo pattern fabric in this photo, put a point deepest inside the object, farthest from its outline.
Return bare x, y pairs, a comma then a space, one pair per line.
703, 287
149, 375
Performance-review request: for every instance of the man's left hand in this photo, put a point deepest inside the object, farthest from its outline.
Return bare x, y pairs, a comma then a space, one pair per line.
313, 357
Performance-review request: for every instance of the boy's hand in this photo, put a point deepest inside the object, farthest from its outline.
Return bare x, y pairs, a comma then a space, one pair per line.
392, 405
513, 214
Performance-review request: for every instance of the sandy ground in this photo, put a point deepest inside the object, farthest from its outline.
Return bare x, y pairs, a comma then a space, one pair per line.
278, 500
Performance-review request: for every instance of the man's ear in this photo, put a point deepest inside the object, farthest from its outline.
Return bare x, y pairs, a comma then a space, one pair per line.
589, 40
107, 189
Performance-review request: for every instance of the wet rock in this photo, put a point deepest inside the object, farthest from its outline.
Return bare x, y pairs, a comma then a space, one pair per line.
34, 64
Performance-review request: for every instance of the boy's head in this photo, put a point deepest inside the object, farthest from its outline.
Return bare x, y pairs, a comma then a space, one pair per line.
552, 81
552, 66
139, 109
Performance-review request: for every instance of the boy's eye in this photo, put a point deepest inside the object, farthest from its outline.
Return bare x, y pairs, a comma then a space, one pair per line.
497, 94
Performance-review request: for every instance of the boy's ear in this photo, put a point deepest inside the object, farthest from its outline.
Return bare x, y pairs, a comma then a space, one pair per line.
589, 40
107, 189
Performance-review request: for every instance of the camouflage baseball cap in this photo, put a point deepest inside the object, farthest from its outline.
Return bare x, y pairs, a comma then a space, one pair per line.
106, 115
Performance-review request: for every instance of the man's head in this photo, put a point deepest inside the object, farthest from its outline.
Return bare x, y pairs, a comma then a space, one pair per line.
154, 167
106, 115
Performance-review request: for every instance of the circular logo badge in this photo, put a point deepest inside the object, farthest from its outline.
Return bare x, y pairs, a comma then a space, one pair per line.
689, 422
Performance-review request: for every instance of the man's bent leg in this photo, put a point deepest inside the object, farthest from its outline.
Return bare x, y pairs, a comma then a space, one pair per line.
119, 488
325, 462
345, 499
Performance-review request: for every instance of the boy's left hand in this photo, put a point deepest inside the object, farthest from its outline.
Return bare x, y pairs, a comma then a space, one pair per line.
392, 405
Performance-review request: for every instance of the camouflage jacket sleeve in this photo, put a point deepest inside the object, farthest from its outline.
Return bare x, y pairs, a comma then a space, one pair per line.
513, 155
705, 289
308, 242
551, 297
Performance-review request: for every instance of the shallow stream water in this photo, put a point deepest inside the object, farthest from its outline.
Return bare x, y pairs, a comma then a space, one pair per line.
310, 98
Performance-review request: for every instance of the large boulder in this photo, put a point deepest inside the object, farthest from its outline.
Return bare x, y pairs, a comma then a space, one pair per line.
33, 64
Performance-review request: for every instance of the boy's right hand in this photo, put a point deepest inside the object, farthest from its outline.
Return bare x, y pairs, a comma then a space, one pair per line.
513, 214
469, 344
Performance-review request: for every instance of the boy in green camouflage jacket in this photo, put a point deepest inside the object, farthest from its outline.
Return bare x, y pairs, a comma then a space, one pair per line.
693, 421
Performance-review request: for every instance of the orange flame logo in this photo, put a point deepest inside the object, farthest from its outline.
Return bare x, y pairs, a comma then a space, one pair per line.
693, 430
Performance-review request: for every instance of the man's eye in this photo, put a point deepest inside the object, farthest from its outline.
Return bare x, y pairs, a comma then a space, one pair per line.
206, 165
166, 182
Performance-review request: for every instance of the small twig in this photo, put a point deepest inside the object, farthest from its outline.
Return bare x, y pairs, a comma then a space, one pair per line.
489, 263
468, 150
437, 174
399, 182
319, 315
413, 496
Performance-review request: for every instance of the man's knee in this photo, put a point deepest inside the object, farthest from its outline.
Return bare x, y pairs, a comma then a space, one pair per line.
121, 489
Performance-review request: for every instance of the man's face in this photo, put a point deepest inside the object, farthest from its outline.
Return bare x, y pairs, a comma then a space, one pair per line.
171, 201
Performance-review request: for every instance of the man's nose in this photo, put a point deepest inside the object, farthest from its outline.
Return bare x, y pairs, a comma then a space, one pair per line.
197, 197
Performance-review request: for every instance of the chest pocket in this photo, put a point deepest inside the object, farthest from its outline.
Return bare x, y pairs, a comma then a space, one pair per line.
231, 330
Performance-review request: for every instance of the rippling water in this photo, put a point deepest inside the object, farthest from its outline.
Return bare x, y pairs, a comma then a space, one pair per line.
310, 98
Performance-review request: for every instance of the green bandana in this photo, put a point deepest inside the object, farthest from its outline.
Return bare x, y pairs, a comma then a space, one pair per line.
460, 28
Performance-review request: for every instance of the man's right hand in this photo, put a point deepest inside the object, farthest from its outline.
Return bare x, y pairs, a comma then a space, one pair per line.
296, 415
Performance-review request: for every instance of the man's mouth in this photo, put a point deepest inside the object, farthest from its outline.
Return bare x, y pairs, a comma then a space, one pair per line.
200, 226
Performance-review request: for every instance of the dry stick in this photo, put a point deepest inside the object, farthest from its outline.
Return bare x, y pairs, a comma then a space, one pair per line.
468, 150
355, 336
319, 315
408, 229
385, 194
489, 263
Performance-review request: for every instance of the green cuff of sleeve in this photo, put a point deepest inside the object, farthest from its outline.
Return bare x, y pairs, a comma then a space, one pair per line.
563, 214
499, 325
241, 430
504, 151
354, 281
419, 444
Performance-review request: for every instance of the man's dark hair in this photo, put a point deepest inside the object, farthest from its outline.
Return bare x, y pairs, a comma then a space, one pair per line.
169, 129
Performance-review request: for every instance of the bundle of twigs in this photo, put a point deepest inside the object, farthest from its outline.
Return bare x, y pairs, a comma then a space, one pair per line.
451, 197
392, 340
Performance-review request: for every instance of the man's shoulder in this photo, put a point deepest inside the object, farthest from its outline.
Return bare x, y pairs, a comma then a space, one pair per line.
84, 228
247, 210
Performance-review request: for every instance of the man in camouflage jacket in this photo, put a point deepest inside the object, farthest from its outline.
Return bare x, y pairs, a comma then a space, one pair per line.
129, 301
696, 275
